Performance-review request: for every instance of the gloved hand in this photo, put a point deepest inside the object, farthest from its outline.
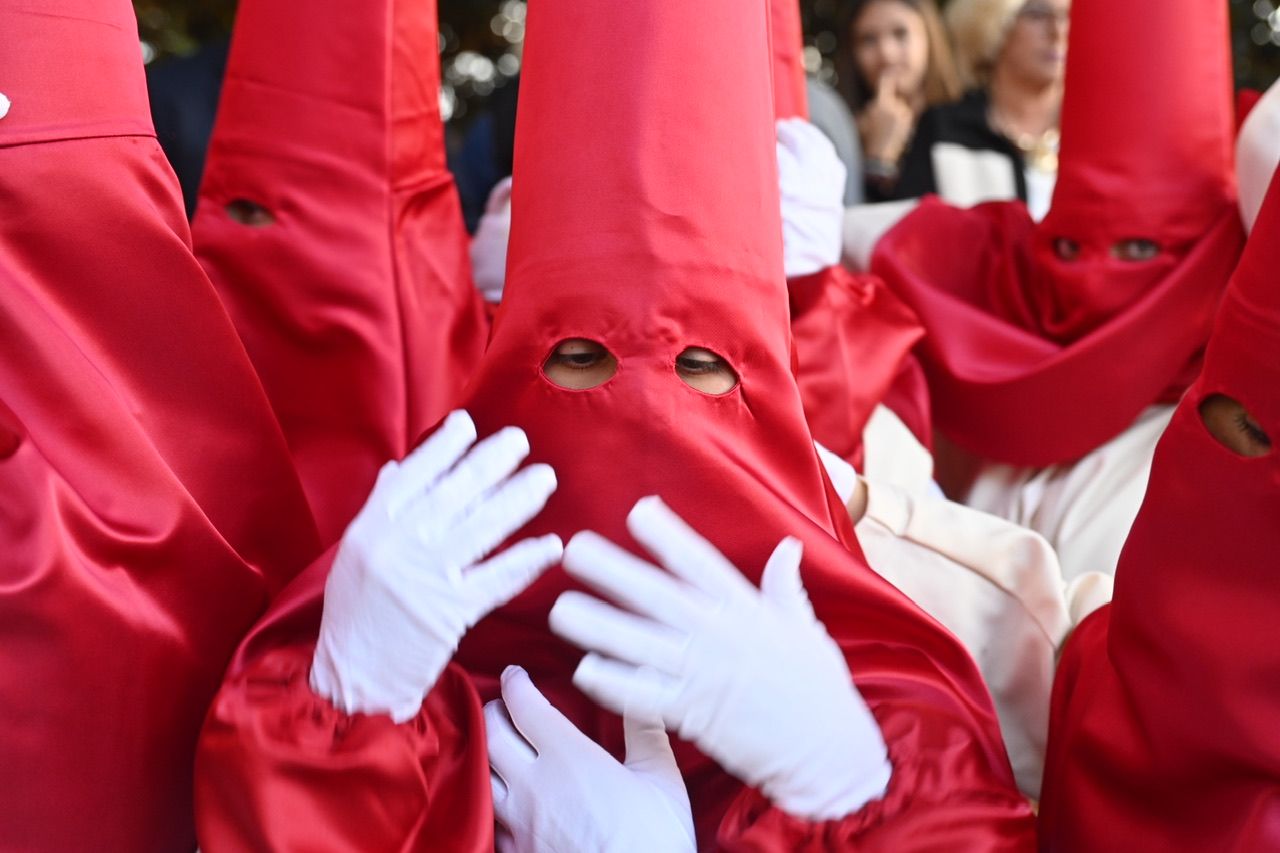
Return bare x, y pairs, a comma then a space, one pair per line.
555, 790
406, 583
748, 675
489, 245
811, 179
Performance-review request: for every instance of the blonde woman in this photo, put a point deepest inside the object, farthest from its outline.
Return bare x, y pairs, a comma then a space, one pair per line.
1001, 141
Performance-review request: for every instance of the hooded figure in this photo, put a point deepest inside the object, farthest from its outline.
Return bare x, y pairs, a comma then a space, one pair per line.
148, 506
1064, 343
647, 272
333, 232
1046, 340
1164, 709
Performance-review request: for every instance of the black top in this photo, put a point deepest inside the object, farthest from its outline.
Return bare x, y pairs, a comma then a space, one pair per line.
962, 123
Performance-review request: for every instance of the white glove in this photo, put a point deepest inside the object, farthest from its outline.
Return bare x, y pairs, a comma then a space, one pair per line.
554, 789
811, 179
842, 475
404, 588
489, 245
748, 675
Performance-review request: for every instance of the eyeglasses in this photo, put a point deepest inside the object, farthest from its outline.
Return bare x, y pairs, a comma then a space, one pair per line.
1044, 14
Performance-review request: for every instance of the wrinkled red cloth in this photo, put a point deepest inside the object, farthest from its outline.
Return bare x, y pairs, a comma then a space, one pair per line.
1163, 732
999, 387
615, 241
853, 340
148, 505
1034, 359
356, 303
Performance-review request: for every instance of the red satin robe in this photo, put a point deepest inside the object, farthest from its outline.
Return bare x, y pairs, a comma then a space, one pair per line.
148, 505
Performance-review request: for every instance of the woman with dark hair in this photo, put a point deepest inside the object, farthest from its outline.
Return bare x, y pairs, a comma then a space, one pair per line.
896, 64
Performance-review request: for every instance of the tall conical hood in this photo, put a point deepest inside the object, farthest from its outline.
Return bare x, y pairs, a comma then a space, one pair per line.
1147, 120
355, 303
689, 204
1147, 139
1194, 615
1243, 360
645, 217
790, 97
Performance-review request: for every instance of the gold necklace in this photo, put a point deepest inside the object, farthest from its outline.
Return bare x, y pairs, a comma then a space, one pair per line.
1039, 150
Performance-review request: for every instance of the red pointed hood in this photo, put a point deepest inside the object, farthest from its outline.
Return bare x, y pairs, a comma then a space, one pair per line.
790, 96
1147, 151
356, 302
1194, 616
650, 223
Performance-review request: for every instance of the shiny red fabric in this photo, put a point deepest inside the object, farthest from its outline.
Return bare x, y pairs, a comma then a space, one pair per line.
356, 304
649, 254
1003, 390
1163, 728
786, 42
1147, 137
617, 241
853, 340
148, 506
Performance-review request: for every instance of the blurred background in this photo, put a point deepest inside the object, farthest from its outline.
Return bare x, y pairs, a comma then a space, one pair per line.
185, 46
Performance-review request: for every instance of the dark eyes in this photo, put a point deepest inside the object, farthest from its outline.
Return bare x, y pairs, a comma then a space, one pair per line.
1250, 428
1066, 249
698, 366
1135, 250
1231, 425
578, 360
579, 364
249, 213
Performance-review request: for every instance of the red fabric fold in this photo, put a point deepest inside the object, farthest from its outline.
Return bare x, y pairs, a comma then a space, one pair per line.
356, 303
281, 769
148, 506
853, 340
1001, 386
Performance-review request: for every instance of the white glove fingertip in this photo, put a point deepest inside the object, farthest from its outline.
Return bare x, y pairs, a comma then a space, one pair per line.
781, 582
428, 462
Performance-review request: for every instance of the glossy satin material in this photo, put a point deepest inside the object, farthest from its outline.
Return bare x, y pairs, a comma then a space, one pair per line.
1034, 360
853, 339
356, 305
786, 41
1003, 390
616, 241
1163, 728
148, 506
648, 255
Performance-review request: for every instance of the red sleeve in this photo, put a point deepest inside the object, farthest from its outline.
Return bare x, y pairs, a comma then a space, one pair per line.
354, 297
279, 768
853, 340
